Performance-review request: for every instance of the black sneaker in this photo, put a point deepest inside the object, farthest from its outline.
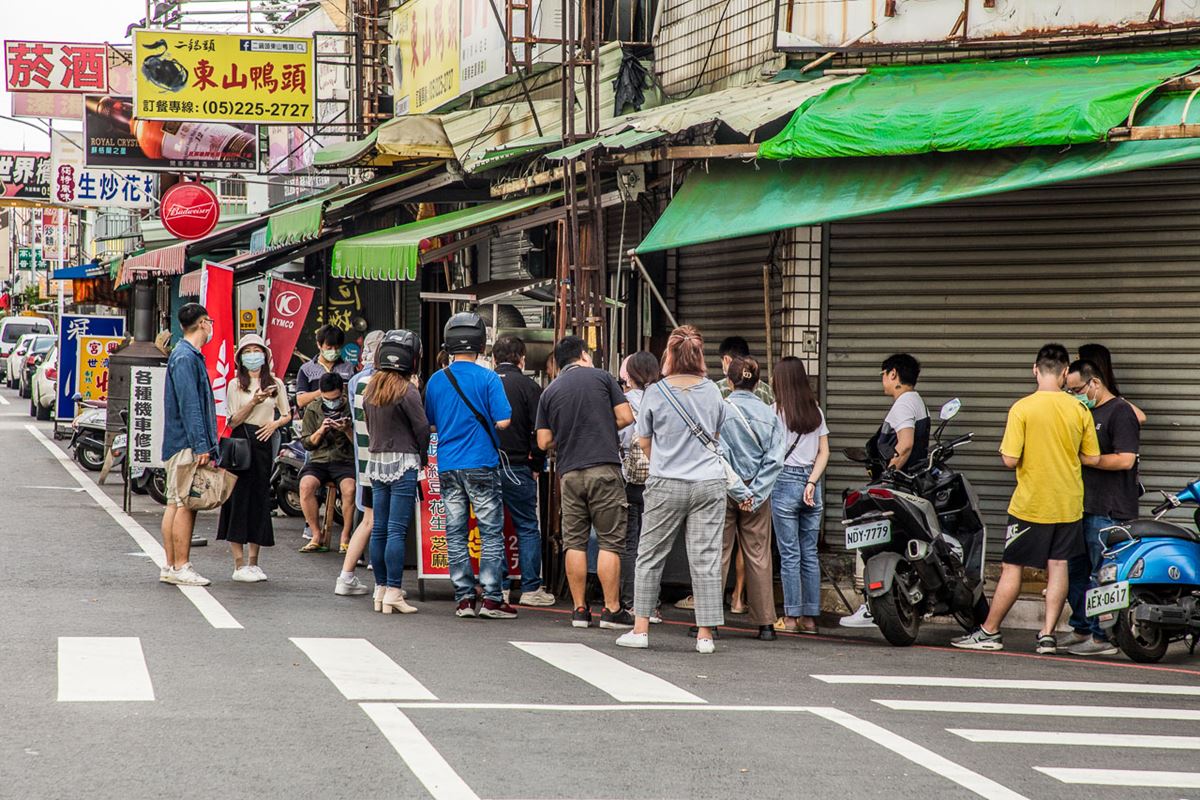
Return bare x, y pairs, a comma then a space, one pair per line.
466, 608
492, 609
1046, 645
616, 620
582, 618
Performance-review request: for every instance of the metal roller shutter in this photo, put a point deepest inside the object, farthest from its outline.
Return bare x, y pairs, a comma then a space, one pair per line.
974, 288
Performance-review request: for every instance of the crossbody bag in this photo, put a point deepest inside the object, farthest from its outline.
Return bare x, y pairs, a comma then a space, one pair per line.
480, 417
732, 479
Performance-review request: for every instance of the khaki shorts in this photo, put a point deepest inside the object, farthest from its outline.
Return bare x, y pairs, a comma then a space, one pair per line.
181, 470
594, 498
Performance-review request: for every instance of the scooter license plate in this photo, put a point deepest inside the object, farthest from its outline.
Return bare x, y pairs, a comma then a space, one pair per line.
119, 441
1106, 599
868, 534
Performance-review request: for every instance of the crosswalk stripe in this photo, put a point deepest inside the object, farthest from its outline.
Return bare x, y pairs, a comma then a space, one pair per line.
1091, 687
623, 682
1124, 777
1115, 740
102, 669
1034, 710
361, 671
433, 771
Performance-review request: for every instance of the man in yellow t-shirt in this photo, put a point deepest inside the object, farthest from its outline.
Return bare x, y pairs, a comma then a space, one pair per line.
1049, 437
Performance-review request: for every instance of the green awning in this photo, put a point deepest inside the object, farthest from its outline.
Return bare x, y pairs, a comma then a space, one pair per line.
514, 150
346, 154
986, 105
732, 199
393, 254
297, 223
623, 140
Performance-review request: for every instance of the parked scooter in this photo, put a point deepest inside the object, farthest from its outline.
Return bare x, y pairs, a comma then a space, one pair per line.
1149, 592
88, 432
922, 538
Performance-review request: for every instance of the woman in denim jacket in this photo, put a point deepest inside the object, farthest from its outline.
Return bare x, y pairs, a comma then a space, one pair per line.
753, 436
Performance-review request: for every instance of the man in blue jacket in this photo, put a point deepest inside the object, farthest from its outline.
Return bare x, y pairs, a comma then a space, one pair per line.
189, 440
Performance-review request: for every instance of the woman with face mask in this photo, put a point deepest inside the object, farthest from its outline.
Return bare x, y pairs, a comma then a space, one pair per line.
256, 405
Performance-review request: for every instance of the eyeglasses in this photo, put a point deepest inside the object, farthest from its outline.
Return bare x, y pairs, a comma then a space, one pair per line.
1075, 390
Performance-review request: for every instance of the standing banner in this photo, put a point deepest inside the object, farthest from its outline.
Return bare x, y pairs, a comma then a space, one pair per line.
287, 308
216, 295
71, 328
433, 559
147, 393
72, 183
227, 77
92, 369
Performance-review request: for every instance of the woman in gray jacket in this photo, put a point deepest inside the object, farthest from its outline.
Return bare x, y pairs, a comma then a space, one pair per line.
753, 437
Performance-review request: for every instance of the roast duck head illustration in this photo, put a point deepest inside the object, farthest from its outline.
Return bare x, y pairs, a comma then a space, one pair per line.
162, 70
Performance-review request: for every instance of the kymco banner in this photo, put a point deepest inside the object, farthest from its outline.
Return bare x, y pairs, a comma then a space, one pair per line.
216, 295
287, 308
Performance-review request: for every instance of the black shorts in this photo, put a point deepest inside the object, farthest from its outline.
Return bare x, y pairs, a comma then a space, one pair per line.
328, 473
1032, 544
367, 499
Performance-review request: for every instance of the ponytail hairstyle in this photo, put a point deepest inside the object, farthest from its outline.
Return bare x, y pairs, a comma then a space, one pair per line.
794, 398
685, 353
742, 373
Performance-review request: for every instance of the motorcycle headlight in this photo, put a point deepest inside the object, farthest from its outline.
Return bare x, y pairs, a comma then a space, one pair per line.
1139, 567
1107, 573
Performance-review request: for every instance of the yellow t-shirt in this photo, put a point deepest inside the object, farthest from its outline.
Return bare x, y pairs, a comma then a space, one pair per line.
1047, 431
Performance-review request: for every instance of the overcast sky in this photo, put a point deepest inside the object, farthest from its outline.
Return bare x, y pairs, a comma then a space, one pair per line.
61, 21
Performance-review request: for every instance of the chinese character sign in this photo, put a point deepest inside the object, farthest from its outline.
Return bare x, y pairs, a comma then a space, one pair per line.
425, 52
92, 367
72, 330
73, 183
482, 56
24, 176
53, 220
30, 258
433, 559
147, 387
55, 67
60, 105
224, 77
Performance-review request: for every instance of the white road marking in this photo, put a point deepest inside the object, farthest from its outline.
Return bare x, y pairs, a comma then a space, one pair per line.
616, 678
972, 781
102, 669
1033, 710
59, 488
216, 614
1115, 740
1090, 687
591, 707
1124, 777
361, 671
3, 400
422, 758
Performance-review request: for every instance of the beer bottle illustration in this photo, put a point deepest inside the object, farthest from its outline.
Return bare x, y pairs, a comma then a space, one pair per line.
177, 140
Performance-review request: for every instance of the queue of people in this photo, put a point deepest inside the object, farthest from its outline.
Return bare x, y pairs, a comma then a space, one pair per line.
731, 466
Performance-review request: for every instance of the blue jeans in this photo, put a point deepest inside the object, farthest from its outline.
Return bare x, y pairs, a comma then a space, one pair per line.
393, 504
521, 501
1081, 572
462, 490
797, 527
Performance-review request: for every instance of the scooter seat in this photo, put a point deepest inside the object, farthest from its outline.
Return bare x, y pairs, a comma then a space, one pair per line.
1157, 529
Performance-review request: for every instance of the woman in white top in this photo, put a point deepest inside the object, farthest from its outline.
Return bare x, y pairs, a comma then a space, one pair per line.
256, 405
796, 501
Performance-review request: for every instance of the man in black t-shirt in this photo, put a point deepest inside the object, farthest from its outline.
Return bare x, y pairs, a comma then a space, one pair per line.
578, 416
1110, 496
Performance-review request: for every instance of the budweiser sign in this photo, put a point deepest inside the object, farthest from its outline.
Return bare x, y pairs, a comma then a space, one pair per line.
189, 211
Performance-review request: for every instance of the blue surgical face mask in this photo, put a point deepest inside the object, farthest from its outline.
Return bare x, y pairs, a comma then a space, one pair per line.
253, 361
331, 404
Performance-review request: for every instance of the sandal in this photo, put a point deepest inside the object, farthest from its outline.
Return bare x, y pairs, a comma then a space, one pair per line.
313, 547
783, 627
342, 548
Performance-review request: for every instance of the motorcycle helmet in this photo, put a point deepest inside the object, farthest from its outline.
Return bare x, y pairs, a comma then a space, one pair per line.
398, 352
464, 333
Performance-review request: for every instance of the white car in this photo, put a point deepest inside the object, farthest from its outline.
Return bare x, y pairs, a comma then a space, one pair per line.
16, 360
43, 390
13, 328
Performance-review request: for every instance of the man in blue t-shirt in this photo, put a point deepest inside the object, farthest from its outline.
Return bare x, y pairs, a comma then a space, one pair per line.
466, 404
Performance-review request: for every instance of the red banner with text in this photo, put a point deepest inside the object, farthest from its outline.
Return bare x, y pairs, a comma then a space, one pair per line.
287, 308
216, 295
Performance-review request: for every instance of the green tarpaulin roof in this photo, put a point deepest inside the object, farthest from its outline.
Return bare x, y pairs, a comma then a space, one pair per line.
733, 199
393, 254
976, 105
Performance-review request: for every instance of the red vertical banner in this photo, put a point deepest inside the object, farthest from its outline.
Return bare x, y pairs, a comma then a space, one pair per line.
287, 308
216, 295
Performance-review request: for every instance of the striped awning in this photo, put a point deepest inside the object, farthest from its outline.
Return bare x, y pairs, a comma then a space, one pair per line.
164, 261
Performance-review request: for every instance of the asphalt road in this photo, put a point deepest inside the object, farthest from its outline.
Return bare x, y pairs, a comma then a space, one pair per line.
120, 687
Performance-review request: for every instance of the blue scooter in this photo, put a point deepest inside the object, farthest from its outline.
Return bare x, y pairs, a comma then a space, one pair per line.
1149, 582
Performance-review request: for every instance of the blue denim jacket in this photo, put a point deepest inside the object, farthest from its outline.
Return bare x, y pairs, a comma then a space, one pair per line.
191, 413
758, 456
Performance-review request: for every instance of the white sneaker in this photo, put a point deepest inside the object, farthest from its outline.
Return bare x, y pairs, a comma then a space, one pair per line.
307, 533
638, 641
164, 574
859, 619
245, 575
187, 576
705, 646
538, 598
505, 593
262, 576
656, 616
350, 588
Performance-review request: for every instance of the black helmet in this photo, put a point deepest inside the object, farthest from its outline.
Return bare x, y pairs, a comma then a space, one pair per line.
464, 333
398, 352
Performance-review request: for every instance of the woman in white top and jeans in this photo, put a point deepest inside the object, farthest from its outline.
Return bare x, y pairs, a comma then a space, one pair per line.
686, 487
796, 502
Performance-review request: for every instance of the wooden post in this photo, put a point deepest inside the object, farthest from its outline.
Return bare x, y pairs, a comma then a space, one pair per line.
767, 320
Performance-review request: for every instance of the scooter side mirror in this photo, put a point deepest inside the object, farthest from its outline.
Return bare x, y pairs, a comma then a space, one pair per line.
950, 410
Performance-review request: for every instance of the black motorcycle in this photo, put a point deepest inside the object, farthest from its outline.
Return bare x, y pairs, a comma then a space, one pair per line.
921, 537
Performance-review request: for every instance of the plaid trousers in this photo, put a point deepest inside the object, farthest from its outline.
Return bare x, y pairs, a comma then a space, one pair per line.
698, 507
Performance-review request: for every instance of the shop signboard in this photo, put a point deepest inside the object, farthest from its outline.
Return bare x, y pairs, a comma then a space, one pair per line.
189, 210
75, 184
71, 67
425, 54
72, 329
482, 52
230, 77
60, 105
433, 558
92, 366
147, 393
30, 258
24, 175
52, 221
